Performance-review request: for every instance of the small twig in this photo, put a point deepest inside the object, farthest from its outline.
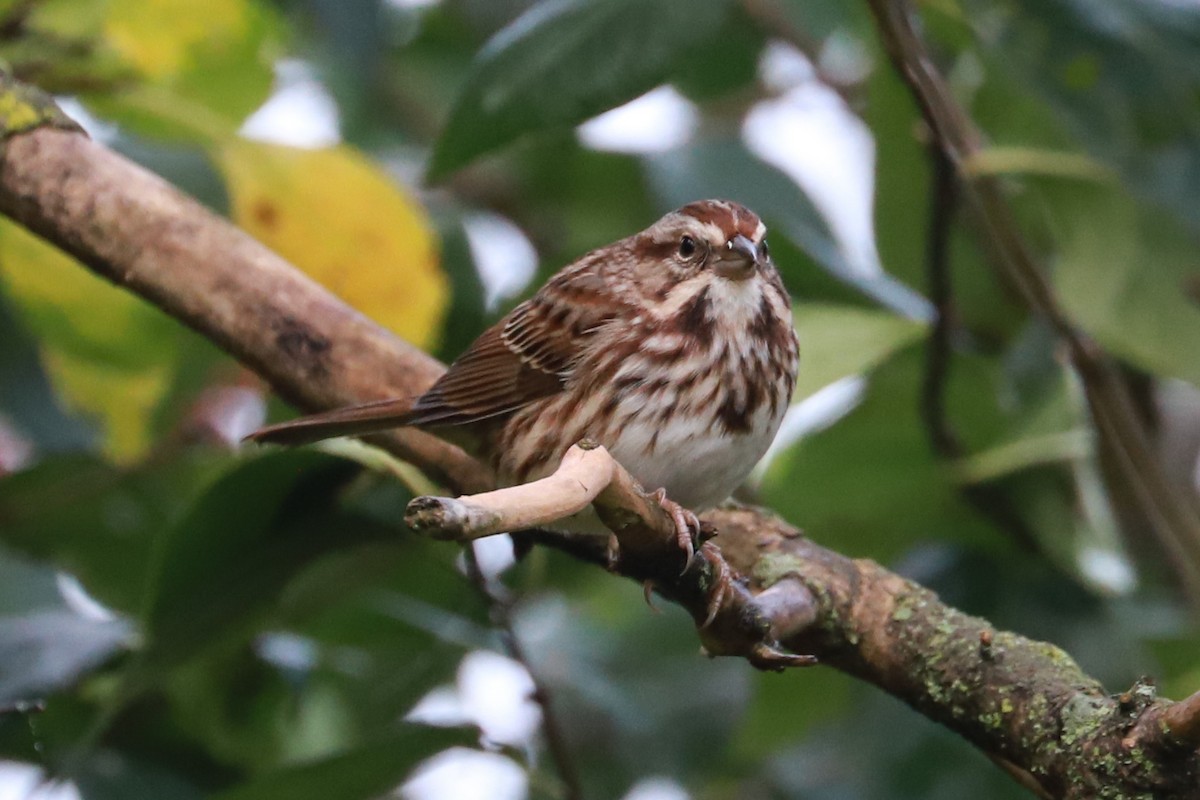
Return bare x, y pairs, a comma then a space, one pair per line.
501, 614
1182, 721
1172, 513
989, 501
943, 202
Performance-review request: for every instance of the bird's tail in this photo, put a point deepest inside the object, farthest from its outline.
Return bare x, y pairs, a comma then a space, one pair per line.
357, 420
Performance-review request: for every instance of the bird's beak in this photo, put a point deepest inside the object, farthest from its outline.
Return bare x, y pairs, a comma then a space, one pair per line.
738, 260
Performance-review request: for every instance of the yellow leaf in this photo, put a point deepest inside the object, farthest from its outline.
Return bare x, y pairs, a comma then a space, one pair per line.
123, 402
160, 37
335, 215
108, 354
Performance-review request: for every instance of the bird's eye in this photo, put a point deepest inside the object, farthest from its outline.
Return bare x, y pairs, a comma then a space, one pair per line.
765, 250
687, 247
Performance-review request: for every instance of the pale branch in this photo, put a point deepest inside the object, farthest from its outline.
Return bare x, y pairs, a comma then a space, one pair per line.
1171, 511
643, 539
584, 473
1022, 702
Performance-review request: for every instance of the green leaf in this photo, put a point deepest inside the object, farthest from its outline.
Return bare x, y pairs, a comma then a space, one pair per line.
870, 484
565, 61
225, 563
98, 521
115, 775
26, 396
839, 341
902, 178
1122, 273
203, 66
702, 78
44, 645
811, 697
1022, 454
365, 772
1120, 75
1026, 160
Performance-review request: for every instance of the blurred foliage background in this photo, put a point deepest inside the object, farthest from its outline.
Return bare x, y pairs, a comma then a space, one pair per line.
182, 618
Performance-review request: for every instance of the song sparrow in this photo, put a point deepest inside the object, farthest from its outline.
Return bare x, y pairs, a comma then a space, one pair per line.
673, 348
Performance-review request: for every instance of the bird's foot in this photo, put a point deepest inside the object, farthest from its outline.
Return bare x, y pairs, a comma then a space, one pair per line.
612, 553
722, 582
687, 526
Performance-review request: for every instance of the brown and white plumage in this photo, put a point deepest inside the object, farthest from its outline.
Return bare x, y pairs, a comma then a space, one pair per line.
674, 348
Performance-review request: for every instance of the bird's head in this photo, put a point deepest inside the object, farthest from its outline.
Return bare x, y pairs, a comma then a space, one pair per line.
720, 237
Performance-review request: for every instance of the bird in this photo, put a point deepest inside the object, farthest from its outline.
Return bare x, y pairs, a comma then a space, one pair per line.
674, 348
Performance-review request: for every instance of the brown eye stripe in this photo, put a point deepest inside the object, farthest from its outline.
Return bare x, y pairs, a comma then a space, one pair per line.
647, 248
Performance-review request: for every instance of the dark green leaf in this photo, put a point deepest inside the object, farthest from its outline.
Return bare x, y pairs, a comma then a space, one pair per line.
1123, 78
365, 772
1121, 273
870, 483
112, 775
98, 521
241, 542
565, 61
702, 77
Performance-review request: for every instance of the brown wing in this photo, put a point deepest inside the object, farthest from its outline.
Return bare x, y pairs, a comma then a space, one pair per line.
526, 356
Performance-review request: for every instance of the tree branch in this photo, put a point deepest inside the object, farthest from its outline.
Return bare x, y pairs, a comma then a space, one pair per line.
1022, 701
1181, 721
133, 228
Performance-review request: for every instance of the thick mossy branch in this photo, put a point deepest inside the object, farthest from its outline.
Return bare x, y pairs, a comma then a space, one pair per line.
1024, 702
1021, 700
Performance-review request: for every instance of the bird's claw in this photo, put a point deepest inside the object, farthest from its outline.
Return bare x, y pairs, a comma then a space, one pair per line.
612, 553
722, 583
688, 532
648, 593
687, 526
